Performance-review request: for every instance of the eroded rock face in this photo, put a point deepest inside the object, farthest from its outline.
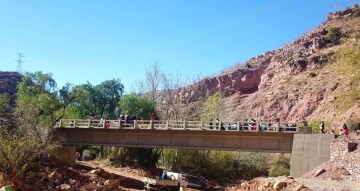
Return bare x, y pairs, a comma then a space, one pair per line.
290, 83
244, 81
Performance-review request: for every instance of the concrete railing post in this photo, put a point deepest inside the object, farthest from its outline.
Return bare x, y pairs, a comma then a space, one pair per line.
184, 126
74, 123
201, 125
151, 124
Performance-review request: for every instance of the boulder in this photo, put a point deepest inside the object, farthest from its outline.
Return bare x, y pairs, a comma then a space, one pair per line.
279, 185
104, 174
93, 172
318, 172
113, 183
299, 187
54, 176
88, 187
65, 187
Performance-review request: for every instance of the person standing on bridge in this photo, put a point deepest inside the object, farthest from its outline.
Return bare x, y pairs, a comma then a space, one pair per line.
152, 116
345, 130
322, 127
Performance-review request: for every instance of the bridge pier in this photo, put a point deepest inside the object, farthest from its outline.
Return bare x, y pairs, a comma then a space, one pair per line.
66, 155
308, 152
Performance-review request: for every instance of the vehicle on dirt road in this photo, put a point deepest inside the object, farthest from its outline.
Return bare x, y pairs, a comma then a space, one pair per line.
197, 182
168, 181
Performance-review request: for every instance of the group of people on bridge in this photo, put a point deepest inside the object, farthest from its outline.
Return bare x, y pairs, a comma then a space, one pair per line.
254, 125
343, 131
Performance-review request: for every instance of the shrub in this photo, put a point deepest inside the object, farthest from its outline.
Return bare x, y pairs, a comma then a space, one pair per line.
216, 164
19, 148
315, 125
312, 74
333, 35
280, 166
279, 171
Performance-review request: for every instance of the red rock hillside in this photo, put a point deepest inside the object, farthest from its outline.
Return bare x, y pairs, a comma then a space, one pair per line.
316, 77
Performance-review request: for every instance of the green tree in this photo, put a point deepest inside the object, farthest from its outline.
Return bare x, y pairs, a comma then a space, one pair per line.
39, 105
39, 100
142, 107
100, 100
139, 105
213, 107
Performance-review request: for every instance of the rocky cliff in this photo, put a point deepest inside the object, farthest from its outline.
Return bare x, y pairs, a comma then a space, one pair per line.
8, 84
316, 77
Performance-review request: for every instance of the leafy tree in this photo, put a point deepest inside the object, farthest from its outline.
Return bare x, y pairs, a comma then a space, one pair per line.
139, 105
213, 107
142, 107
39, 105
39, 100
100, 100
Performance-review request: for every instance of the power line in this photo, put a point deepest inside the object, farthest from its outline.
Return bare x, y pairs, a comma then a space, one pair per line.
19, 61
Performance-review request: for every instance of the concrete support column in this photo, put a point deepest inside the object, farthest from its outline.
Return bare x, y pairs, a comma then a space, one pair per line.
66, 155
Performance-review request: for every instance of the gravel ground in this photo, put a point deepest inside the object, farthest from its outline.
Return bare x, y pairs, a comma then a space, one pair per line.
329, 185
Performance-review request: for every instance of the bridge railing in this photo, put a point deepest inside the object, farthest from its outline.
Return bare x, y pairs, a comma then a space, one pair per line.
210, 126
248, 126
193, 125
289, 127
176, 125
181, 125
143, 124
160, 124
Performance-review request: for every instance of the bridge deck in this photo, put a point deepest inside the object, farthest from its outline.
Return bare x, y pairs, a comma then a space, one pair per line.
166, 136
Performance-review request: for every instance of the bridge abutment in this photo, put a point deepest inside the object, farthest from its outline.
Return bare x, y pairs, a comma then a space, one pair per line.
308, 152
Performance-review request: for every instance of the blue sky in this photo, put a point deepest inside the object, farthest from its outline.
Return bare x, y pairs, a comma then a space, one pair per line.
93, 40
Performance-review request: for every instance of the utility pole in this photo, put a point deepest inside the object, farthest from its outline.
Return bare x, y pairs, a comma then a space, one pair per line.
19, 61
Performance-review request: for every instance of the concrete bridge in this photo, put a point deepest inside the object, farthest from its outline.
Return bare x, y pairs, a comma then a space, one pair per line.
253, 136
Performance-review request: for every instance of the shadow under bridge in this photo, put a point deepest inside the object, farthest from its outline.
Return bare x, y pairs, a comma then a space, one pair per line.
185, 139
